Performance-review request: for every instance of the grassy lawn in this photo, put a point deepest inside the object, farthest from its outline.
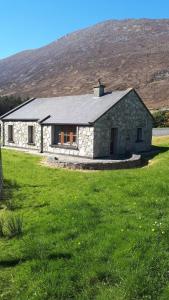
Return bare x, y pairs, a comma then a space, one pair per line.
86, 235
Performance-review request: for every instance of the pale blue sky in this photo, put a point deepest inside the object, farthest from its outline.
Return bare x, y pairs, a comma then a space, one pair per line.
27, 24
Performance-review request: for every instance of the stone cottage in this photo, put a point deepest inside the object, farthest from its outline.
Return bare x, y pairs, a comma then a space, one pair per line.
93, 125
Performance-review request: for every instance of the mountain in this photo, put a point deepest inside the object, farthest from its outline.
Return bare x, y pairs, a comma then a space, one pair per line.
122, 53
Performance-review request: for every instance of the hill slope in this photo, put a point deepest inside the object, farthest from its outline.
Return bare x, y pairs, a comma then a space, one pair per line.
123, 53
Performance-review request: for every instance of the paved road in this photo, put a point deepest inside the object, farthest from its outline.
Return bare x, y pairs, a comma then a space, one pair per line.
160, 131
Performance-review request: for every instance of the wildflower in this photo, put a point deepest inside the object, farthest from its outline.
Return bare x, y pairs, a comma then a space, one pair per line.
162, 232
153, 229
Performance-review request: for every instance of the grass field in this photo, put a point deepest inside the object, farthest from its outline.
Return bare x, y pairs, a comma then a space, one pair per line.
86, 235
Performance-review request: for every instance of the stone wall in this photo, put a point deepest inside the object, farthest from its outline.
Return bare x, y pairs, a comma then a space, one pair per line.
20, 135
85, 135
127, 115
84, 147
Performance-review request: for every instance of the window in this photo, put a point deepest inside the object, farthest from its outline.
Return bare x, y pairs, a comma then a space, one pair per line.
30, 135
139, 135
64, 135
10, 133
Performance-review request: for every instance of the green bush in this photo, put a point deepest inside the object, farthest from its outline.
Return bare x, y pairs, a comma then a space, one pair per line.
9, 102
161, 119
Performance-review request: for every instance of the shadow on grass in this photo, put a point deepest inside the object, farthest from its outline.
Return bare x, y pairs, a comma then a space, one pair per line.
8, 188
10, 185
10, 263
13, 262
155, 150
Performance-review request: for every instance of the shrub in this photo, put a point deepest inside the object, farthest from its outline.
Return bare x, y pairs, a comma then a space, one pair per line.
14, 225
160, 119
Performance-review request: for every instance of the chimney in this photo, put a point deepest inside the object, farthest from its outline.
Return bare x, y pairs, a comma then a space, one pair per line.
99, 89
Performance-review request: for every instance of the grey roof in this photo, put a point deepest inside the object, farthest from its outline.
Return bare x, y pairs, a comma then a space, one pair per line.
81, 109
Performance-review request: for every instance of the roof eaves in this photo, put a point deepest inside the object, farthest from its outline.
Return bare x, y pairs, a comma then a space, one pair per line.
75, 124
16, 108
21, 120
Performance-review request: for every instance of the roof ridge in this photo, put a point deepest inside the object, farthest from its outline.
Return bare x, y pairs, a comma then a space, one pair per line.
88, 94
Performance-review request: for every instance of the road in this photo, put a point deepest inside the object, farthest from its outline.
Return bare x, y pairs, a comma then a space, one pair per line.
160, 131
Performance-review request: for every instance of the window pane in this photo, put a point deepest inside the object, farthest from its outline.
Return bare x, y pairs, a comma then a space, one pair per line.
139, 134
10, 133
30, 134
64, 134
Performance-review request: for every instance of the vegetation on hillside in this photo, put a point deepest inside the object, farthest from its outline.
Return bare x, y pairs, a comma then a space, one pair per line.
85, 235
124, 53
9, 102
161, 119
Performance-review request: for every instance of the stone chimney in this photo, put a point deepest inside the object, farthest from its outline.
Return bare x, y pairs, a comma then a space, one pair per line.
99, 89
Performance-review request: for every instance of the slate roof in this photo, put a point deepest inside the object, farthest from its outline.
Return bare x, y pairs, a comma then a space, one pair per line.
81, 109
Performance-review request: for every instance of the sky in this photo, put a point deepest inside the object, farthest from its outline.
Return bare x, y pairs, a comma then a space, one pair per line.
29, 24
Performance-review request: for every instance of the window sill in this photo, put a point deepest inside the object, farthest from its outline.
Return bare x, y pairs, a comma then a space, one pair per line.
12, 142
64, 147
31, 144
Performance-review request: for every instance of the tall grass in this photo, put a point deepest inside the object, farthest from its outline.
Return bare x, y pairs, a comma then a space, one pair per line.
14, 225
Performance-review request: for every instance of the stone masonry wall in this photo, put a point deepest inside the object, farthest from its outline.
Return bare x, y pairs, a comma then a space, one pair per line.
85, 135
20, 130
127, 115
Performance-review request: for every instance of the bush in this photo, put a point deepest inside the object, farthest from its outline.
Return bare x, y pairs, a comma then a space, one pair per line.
14, 225
161, 119
9, 102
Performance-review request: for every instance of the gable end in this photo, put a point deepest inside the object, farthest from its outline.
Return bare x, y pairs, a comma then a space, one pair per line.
139, 98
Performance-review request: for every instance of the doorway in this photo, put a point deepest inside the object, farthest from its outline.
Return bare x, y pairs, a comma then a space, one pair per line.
113, 141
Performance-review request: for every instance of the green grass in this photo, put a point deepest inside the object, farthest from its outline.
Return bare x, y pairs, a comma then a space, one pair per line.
85, 235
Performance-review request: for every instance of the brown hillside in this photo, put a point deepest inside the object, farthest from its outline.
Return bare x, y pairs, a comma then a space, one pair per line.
123, 53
